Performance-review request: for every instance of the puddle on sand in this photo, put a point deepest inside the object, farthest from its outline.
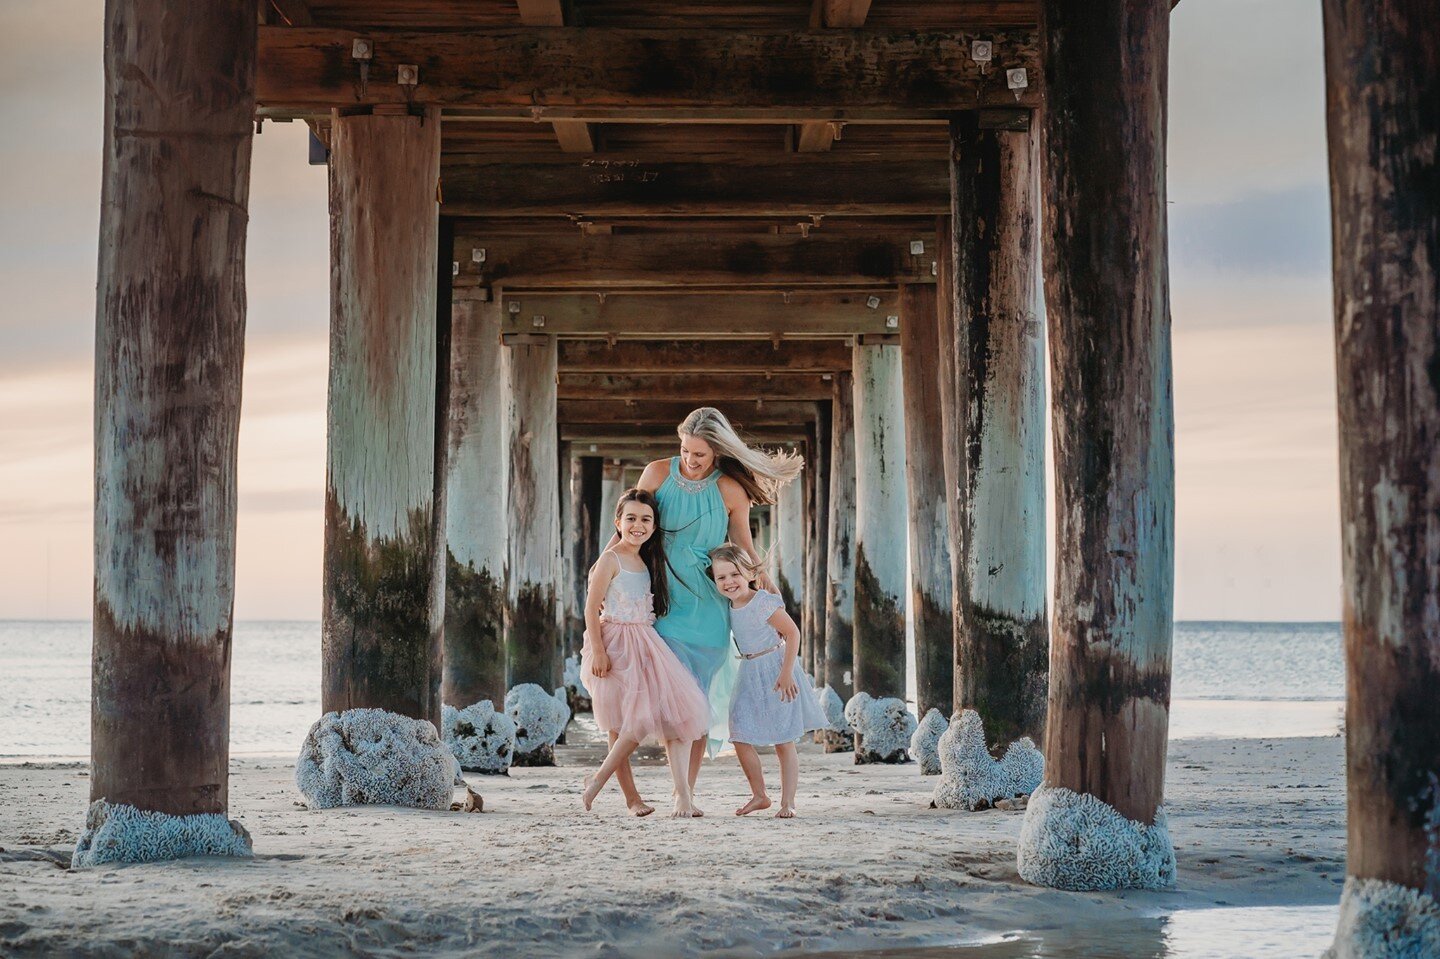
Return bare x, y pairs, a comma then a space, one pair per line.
1251, 932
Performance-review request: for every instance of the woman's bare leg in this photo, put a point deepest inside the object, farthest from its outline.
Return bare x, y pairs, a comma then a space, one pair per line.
625, 777
755, 776
679, 756
618, 757
789, 778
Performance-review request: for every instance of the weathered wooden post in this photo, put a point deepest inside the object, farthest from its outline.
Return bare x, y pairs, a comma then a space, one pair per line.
930, 572
585, 479
532, 636
789, 548
610, 491
1097, 820
1002, 642
383, 600
1382, 67
816, 477
880, 522
170, 344
840, 566
475, 507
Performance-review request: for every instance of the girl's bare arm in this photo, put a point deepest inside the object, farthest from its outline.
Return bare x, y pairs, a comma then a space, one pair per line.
790, 633
599, 582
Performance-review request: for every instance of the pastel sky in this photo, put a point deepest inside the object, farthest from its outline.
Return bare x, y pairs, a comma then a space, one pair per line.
1257, 491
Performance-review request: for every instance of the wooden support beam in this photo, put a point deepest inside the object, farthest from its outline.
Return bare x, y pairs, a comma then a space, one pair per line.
170, 346
575, 136
381, 632
782, 185
817, 537
1382, 66
704, 356
1002, 638
646, 386
930, 593
663, 434
819, 136
595, 414
664, 260
840, 548
475, 528
1107, 299
723, 314
880, 524
788, 555
539, 73
585, 525
532, 640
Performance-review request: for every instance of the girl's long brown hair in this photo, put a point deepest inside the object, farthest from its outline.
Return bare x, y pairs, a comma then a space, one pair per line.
652, 551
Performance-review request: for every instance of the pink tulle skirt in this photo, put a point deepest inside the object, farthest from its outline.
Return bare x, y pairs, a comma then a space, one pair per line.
648, 695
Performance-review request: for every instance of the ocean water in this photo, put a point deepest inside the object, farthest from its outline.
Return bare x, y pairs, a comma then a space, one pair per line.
1230, 680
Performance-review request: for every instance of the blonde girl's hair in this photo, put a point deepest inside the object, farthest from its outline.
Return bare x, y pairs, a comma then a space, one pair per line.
759, 473
730, 553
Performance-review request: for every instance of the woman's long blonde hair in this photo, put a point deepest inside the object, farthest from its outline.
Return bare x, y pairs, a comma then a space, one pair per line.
759, 473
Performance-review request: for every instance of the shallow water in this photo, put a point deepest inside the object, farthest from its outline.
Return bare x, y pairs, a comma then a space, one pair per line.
1231, 680
1252, 932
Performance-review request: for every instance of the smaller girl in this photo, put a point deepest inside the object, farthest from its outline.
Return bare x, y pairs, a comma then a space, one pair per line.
774, 704
638, 689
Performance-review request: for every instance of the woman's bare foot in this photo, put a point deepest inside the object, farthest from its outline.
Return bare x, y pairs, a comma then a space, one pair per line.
786, 812
640, 808
685, 810
755, 804
588, 796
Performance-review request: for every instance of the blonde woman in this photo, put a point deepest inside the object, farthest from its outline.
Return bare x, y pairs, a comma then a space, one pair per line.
705, 495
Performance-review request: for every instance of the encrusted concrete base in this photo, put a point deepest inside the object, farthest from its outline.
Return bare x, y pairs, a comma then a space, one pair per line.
1384, 920
115, 832
925, 744
374, 757
540, 719
883, 728
482, 740
1074, 841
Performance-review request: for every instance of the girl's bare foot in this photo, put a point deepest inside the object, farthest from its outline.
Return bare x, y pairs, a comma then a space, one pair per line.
755, 804
640, 808
588, 796
786, 812
684, 811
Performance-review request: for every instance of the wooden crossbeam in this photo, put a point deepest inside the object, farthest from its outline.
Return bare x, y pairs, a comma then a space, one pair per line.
658, 434
575, 136
544, 73
599, 416
818, 136
791, 185
578, 261
646, 386
726, 314
705, 356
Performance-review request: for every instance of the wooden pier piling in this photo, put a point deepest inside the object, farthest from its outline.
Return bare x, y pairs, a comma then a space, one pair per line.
169, 351
1382, 67
880, 522
1002, 641
840, 566
475, 508
930, 592
383, 602
817, 537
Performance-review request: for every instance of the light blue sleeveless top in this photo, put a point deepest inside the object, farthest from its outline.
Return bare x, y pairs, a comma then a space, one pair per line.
697, 625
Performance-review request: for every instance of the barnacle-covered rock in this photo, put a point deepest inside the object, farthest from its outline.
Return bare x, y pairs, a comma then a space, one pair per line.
576, 695
1385, 920
972, 778
540, 718
883, 728
1074, 841
481, 739
925, 744
116, 832
834, 709
374, 757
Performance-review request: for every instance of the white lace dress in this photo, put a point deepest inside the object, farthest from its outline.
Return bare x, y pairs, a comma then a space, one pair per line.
757, 714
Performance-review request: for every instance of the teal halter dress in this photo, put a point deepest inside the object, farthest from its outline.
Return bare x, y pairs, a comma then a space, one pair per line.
697, 625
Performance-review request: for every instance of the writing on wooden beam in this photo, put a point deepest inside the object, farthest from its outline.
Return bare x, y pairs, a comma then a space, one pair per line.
610, 73
717, 314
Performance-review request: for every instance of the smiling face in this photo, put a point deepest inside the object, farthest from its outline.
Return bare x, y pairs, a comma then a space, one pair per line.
636, 523
730, 579
696, 456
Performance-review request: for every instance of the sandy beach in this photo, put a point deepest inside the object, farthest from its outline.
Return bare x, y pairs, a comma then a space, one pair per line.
867, 865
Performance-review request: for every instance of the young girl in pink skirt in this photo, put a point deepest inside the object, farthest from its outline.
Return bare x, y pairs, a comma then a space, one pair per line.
640, 691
